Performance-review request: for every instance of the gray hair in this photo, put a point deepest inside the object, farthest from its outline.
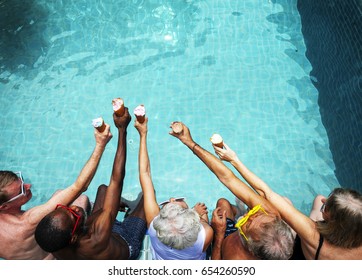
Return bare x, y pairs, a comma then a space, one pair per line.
177, 227
273, 241
343, 226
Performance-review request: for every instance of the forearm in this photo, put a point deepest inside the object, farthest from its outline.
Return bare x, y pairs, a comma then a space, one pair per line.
143, 158
150, 204
253, 180
226, 176
114, 190
119, 163
144, 167
216, 247
89, 169
212, 162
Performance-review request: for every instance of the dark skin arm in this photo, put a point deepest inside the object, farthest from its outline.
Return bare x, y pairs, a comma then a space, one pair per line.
104, 222
218, 223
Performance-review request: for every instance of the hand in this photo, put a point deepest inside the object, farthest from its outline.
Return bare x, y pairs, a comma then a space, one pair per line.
218, 221
184, 136
123, 121
200, 208
142, 128
102, 138
225, 153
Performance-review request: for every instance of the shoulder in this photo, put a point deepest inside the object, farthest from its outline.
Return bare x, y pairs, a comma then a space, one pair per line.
209, 234
233, 249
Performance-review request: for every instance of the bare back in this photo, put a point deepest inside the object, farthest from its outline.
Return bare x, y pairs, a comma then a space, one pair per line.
99, 243
233, 249
17, 238
330, 252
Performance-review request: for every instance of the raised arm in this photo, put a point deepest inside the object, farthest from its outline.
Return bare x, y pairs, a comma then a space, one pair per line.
150, 204
222, 172
115, 187
302, 224
254, 181
81, 184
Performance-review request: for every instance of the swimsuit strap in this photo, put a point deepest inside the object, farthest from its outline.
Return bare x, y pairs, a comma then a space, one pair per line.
321, 240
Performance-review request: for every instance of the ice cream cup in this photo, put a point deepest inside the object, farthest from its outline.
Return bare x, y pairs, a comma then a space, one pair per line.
176, 127
118, 106
99, 124
140, 113
217, 140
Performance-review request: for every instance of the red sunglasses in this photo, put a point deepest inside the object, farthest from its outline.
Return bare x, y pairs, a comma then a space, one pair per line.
77, 216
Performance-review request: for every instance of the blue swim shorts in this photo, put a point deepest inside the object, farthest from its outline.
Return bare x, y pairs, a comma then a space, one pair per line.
132, 230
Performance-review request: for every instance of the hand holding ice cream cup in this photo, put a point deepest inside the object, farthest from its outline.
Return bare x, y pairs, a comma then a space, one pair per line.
99, 124
217, 140
140, 113
177, 127
118, 106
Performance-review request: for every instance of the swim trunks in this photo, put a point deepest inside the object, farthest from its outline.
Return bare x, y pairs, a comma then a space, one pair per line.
230, 227
132, 230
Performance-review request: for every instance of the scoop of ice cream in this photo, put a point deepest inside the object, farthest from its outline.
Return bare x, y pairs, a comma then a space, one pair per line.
117, 103
98, 122
216, 139
176, 127
139, 111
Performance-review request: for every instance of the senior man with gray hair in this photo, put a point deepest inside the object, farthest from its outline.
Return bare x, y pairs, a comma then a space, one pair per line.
176, 231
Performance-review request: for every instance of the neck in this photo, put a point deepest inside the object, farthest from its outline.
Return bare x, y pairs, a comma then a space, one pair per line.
12, 211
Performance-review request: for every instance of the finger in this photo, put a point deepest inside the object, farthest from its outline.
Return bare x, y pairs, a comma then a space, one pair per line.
216, 211
217, 149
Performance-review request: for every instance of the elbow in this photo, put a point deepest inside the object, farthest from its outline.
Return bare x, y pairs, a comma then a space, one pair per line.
226, 176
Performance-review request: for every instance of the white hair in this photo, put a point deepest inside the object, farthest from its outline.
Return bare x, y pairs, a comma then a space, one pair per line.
177, 227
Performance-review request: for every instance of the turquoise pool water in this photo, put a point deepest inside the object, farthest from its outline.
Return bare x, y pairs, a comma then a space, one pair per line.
237, 68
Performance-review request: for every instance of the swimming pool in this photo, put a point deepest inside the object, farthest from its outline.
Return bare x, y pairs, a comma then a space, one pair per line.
237, 68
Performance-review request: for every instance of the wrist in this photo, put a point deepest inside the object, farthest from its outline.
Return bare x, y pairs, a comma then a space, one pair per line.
234, 161
192, 146
100, 146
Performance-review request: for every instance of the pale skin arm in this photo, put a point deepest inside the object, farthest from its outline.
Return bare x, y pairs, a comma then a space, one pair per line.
81, 184
222, 172
201, 209
150, 203
302, 224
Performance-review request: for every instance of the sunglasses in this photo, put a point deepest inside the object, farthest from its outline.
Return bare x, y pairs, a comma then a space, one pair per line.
178, 199
244, 219
323, 207
22, 188
77, 217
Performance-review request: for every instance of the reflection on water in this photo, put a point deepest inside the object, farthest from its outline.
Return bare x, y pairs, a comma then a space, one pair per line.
84, 35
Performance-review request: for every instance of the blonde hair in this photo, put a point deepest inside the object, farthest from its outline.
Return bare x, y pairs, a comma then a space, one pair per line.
343, 227
6, 178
